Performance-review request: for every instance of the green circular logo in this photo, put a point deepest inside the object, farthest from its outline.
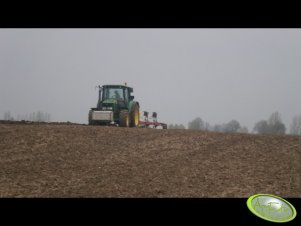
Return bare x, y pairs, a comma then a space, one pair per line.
271, 208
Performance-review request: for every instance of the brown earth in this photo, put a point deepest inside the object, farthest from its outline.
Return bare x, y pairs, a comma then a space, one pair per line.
69, 160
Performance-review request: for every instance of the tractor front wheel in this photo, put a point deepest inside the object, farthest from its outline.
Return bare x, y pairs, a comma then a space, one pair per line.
124, 118
90, 121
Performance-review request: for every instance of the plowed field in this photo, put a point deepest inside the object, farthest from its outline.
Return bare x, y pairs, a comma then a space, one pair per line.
69, 160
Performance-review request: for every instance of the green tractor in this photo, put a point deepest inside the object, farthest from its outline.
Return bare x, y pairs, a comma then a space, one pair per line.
115, 106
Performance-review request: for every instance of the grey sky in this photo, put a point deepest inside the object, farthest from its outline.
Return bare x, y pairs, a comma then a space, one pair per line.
215, 74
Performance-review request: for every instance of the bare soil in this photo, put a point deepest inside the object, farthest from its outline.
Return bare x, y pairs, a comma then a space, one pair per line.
72, 160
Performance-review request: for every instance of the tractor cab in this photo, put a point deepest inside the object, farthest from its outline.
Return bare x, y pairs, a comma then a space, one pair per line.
110, 95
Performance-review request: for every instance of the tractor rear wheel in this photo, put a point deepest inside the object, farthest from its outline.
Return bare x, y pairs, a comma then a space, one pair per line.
124, 118
135, 116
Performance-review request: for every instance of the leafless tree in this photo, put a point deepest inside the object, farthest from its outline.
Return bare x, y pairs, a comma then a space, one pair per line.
295, 128
196, 124
274, 125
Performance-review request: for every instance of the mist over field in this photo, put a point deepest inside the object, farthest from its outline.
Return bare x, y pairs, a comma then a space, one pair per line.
216, 74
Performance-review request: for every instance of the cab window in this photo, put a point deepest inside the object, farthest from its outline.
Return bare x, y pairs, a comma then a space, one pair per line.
126, 96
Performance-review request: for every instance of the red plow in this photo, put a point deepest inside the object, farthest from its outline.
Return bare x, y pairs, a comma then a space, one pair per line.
151, 122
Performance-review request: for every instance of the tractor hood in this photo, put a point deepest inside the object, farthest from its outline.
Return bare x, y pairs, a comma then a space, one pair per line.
109, 104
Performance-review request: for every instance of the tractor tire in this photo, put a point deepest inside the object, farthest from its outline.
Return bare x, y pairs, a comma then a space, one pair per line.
90, 122
135, 115
124, 118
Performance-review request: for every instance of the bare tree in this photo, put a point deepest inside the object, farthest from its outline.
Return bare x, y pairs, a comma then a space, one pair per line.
181, 126
261, 127
176, 126
196, 124
7, 116
170, 126
48, 117
31, 117
232, 126
218, 128
274, 118
274, 125
39, 116
207, 126
296, 125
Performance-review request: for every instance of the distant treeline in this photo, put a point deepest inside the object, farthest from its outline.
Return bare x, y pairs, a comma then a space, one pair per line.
38, 116
273, 125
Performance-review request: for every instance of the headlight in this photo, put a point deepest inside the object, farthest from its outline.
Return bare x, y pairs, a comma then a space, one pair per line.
107, 108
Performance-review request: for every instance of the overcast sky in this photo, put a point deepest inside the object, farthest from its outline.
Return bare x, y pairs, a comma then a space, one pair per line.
215, 74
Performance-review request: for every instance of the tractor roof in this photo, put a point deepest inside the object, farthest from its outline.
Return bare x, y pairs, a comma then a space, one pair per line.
119, 86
